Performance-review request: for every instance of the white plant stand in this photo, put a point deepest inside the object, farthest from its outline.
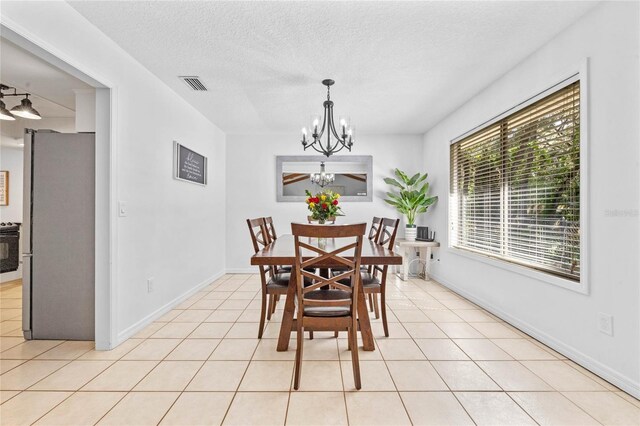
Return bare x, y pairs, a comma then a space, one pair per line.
405, 248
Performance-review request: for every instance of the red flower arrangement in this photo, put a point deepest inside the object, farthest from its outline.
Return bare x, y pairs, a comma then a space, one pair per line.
323, 205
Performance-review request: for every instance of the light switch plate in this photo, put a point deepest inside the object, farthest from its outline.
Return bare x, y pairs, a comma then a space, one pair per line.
122, 209
605, 323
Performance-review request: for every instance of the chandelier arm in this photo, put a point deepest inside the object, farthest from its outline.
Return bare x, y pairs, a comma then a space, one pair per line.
318, 150
340, 149
324, 124
335, 133
308, 145
332, 129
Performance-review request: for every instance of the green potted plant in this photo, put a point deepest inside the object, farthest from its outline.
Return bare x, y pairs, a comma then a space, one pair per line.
410, 198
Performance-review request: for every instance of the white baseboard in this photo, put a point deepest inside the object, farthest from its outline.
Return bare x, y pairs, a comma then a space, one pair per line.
135, 328
11, 276
251, 270
625, 383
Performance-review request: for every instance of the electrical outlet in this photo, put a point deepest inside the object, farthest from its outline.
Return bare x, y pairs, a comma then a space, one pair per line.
605, 323
150, 285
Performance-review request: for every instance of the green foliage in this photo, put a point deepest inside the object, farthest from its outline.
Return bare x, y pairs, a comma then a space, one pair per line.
411, 196
536, 167
323, 205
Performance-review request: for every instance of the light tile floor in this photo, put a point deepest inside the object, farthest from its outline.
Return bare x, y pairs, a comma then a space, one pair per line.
446, 362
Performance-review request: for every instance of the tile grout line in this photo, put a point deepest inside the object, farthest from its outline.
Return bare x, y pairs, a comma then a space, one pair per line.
434, 369
149, 372
405, 297
180, 393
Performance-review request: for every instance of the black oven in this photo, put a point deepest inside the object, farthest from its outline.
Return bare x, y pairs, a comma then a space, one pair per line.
9, 247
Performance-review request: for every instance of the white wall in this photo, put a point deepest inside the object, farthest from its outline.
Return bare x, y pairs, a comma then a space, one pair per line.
174, 231
564, 319
11, 160
251, 184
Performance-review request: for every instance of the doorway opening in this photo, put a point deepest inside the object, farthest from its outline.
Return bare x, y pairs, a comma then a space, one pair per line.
59, 190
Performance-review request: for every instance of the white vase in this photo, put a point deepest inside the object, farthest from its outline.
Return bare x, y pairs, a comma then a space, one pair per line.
410, 233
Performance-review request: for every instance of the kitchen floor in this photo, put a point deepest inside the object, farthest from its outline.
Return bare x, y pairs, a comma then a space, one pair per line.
447, 362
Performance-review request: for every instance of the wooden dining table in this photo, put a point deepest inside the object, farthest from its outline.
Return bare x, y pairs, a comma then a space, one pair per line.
281, 253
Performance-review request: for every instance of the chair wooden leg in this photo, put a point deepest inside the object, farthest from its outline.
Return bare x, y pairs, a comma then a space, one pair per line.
355, 361
375, 305
298, 367
262, 314
335, 334
370, 302
384, 314
270, 310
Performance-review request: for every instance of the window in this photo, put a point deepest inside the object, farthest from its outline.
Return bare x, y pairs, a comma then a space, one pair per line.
515, 186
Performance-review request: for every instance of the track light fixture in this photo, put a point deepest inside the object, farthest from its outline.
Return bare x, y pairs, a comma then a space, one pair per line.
4, 112
24, 110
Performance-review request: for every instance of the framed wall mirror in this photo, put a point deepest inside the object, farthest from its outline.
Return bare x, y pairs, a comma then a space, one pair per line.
351, 176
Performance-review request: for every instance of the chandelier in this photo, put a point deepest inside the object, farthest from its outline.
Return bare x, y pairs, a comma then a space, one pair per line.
323, 179
24, 110
342, 138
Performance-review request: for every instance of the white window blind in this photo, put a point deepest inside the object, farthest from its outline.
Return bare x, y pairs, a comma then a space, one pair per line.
515, 186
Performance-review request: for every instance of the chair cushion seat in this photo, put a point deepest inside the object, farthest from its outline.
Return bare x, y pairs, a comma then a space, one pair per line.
284, 270
369, 280
327, 311
279, 281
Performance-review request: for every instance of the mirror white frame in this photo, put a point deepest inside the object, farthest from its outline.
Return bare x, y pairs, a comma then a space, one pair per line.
367, 160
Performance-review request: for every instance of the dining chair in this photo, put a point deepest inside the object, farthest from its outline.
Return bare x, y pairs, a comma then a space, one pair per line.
271, 231
373, 284
273, 283
328, 304
374, 232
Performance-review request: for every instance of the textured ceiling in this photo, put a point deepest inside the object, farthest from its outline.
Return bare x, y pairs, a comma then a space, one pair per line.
52, 88
399, 67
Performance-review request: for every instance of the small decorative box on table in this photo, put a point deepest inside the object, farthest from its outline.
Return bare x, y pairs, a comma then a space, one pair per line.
404, 249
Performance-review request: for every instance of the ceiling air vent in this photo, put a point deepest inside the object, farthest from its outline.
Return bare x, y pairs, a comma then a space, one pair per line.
194, 82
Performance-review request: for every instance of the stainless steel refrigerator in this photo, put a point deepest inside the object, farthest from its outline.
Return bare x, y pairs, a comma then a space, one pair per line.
58, 236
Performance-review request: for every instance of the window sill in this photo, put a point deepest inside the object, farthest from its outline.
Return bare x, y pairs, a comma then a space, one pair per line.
579, 287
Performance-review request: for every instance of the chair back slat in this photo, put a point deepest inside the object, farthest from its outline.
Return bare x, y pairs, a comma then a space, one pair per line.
335, 255
374, 231
259, 239
271, 229
259, 234
387, 232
